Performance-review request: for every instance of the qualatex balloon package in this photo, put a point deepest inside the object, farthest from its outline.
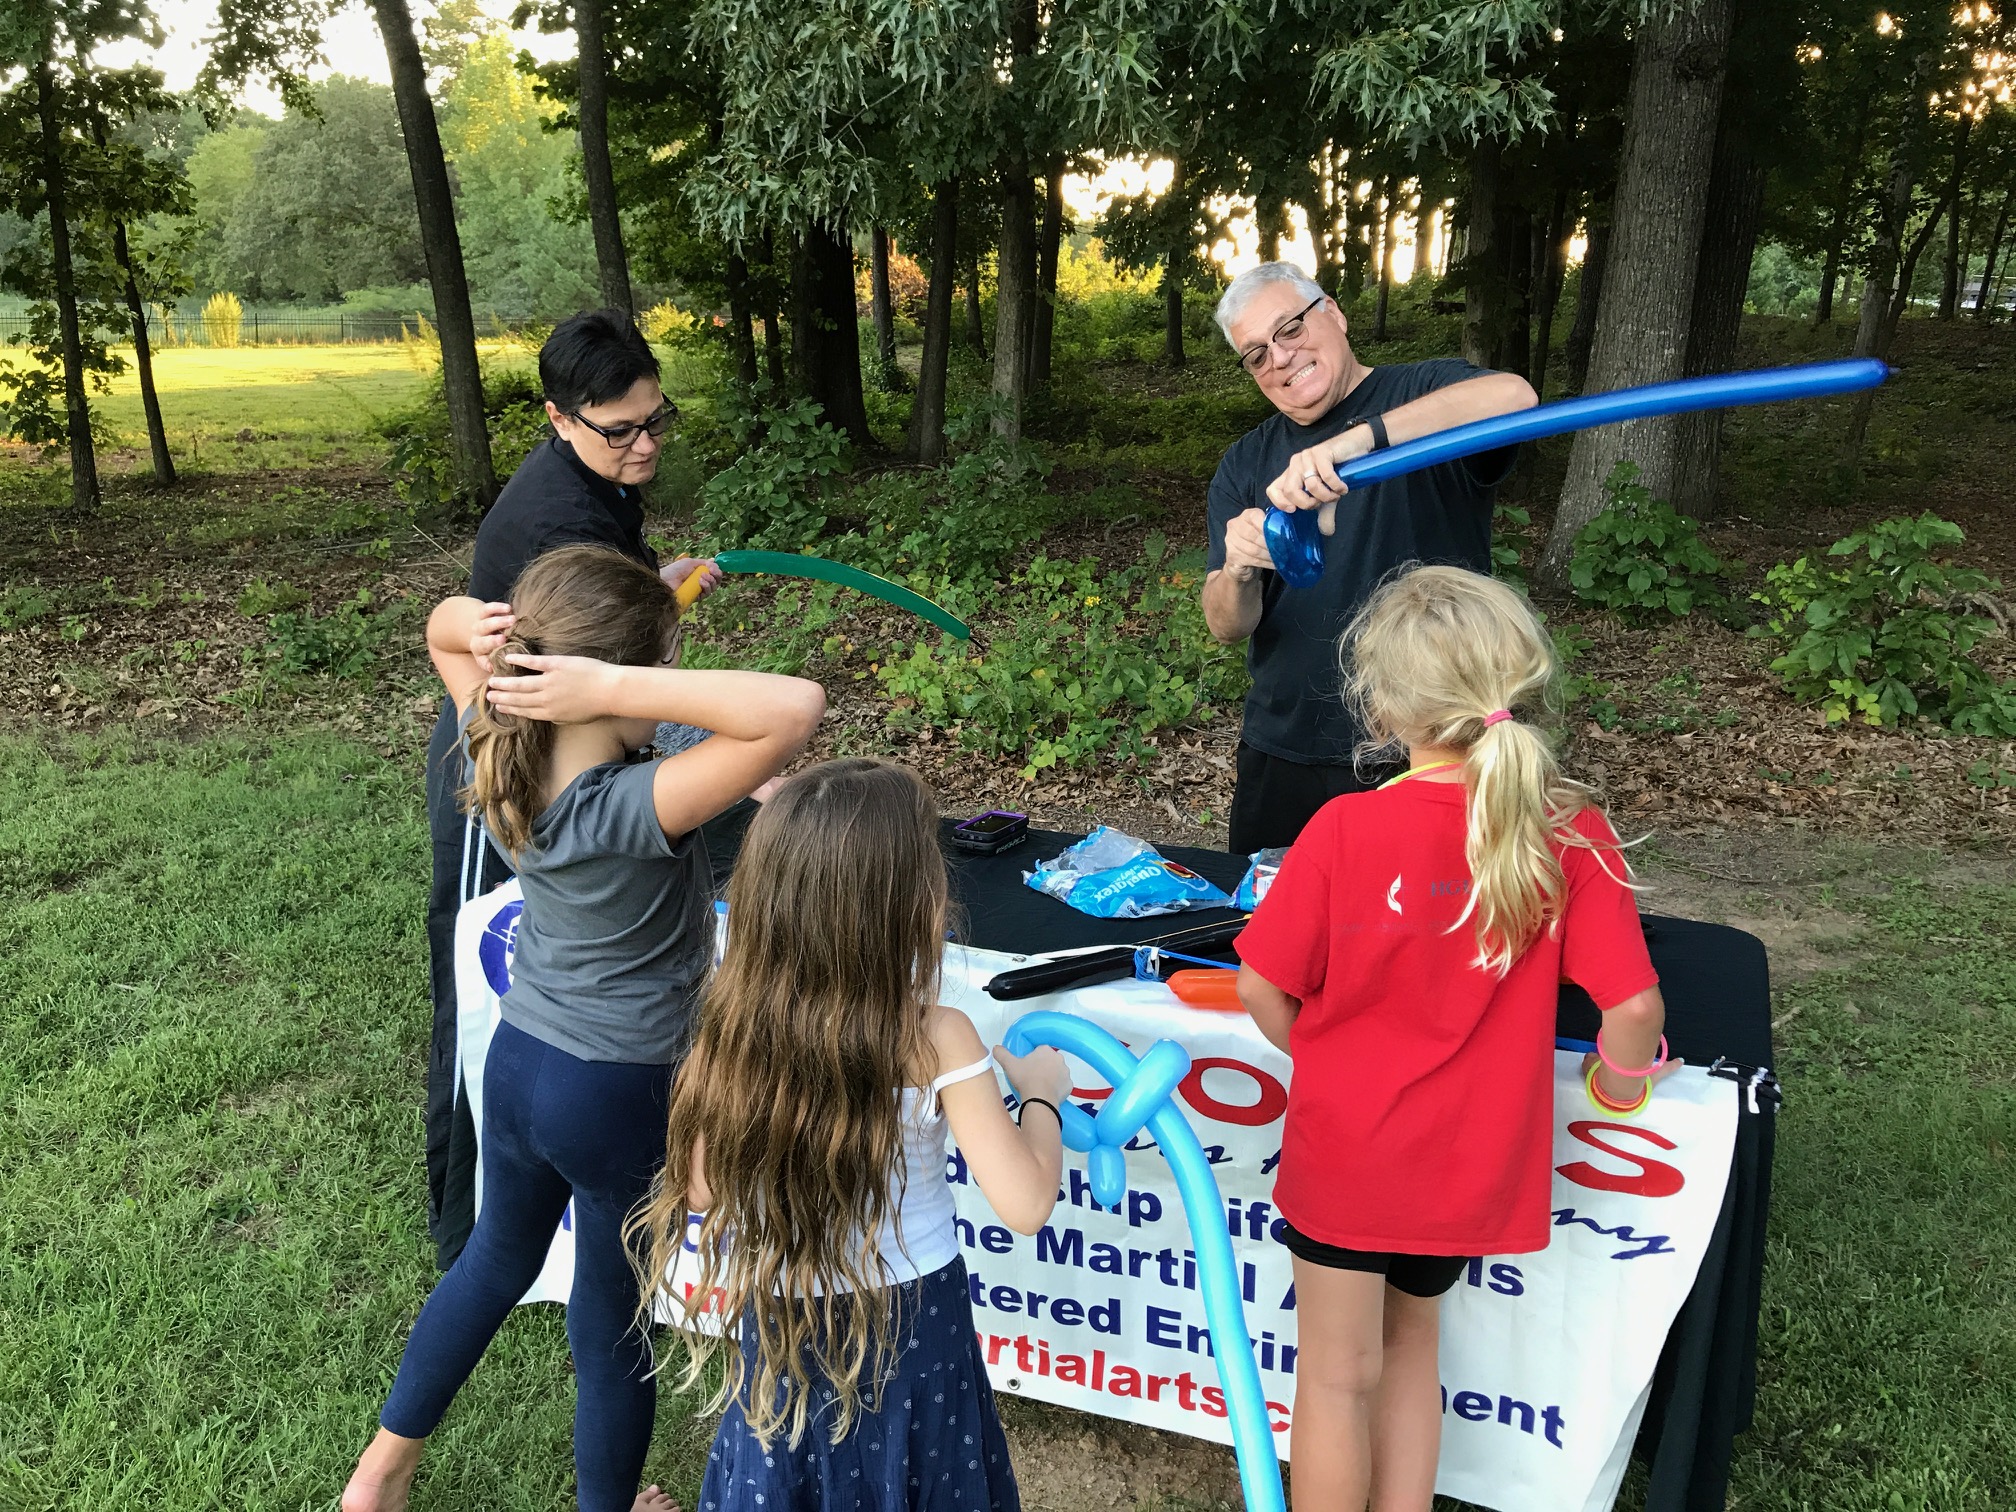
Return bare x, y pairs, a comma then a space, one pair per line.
1111, 875
1263, 864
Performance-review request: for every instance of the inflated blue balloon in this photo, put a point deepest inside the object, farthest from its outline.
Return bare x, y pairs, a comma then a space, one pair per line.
1297, 546
1143, 1097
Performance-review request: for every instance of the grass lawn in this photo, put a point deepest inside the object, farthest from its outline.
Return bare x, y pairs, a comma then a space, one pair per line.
211, 1035
301, 404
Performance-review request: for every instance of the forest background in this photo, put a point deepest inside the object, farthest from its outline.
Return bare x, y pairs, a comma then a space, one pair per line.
932, 286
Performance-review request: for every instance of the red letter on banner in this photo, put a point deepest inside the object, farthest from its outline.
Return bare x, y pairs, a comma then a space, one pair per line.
1653, 1178
1272, 1104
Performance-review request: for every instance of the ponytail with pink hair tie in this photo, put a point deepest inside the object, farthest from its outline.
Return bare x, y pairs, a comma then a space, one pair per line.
1496, 716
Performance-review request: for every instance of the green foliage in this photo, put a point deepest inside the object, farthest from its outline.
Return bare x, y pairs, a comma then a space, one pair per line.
223, 318
773, 494
24, 604
327, 204
422, 460
1509, 523
262, 598
1640, 556
350, 641
1882, 630
1093, 662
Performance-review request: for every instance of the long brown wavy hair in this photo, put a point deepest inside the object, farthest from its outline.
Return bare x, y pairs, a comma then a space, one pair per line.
1433, 653
576, 601
812, 1025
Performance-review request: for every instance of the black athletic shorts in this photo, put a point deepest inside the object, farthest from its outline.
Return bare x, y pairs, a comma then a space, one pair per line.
1416, 1275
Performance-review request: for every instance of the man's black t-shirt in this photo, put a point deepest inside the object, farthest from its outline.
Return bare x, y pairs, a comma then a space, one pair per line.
553, 499
1441, 514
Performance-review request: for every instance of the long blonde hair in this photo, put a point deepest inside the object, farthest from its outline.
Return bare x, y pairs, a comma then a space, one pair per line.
815, 1021
1434, 652
576, 601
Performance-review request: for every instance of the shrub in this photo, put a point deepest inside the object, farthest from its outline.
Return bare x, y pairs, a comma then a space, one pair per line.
349, 641
223, 318
262, 598
772, 495
1640, 556
24, 604
422, 460
1881, 630
1094, 661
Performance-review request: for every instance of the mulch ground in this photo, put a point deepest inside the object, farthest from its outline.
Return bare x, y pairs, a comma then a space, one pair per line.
146, 632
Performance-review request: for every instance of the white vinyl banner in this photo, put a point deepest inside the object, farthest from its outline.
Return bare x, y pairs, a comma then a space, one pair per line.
1546, 1358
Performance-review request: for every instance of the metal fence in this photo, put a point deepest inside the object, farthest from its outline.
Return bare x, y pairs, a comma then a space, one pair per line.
278, 328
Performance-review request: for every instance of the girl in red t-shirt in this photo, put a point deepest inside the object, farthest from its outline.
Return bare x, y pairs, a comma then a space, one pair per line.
1407, 958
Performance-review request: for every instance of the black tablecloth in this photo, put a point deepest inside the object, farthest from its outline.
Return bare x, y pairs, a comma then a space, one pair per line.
1718, 1007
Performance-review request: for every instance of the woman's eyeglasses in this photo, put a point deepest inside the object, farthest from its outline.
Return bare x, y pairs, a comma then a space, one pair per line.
619, 437
1286, 334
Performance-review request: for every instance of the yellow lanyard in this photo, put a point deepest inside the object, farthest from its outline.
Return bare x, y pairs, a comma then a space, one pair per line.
1440, 766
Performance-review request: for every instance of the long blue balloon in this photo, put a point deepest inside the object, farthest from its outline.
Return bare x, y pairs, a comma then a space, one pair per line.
1142, 1098
1296, 544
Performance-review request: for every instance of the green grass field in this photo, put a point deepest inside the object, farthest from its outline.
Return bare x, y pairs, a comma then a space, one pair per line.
211, 1035
292, 405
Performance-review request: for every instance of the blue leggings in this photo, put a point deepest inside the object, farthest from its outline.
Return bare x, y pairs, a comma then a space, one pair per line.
554, 1127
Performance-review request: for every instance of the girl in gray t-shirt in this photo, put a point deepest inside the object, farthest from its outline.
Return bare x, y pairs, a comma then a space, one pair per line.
556, 689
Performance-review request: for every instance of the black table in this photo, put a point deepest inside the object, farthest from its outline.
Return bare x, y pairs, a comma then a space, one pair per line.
1717, 987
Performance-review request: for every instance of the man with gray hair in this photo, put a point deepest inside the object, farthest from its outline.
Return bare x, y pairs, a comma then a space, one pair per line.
1296, 745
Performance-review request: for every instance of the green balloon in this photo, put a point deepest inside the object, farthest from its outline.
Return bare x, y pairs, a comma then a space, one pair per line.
786, 564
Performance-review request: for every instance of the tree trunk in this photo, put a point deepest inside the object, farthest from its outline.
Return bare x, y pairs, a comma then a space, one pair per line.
84, 494
1984, 297
976, 324
1949, 286
596, 173
1270, 220
454, 323
1837, 231
1677, 72
1515, 350
1554, 272
1014, 294
1728, 242
1172, 280
1049, 248
1588, 301
742, 338
825, 332
884, 312
1483, 284
1887, 257
927, 411
1388, 215
766, 310
143, 359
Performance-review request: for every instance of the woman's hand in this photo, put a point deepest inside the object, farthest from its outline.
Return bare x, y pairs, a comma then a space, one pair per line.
557, 689
675, 575
1041, 1073
1310, 480
493, 628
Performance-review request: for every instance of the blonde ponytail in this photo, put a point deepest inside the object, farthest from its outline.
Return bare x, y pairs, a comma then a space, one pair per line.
1433, 658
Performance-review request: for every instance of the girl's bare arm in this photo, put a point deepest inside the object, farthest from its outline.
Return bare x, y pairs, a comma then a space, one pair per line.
1017, 1168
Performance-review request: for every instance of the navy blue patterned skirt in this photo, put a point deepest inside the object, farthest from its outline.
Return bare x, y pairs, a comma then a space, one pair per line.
936, 1445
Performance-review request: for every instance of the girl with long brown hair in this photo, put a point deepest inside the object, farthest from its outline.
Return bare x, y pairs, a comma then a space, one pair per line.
1407, 959
808, 1133
558, 690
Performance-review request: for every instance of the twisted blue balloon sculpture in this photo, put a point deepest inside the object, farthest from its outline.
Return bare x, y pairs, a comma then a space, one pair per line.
1296, 544
1143, 1097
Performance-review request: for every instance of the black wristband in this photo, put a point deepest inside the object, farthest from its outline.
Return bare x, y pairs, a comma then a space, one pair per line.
1038, 1102
1377, 425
